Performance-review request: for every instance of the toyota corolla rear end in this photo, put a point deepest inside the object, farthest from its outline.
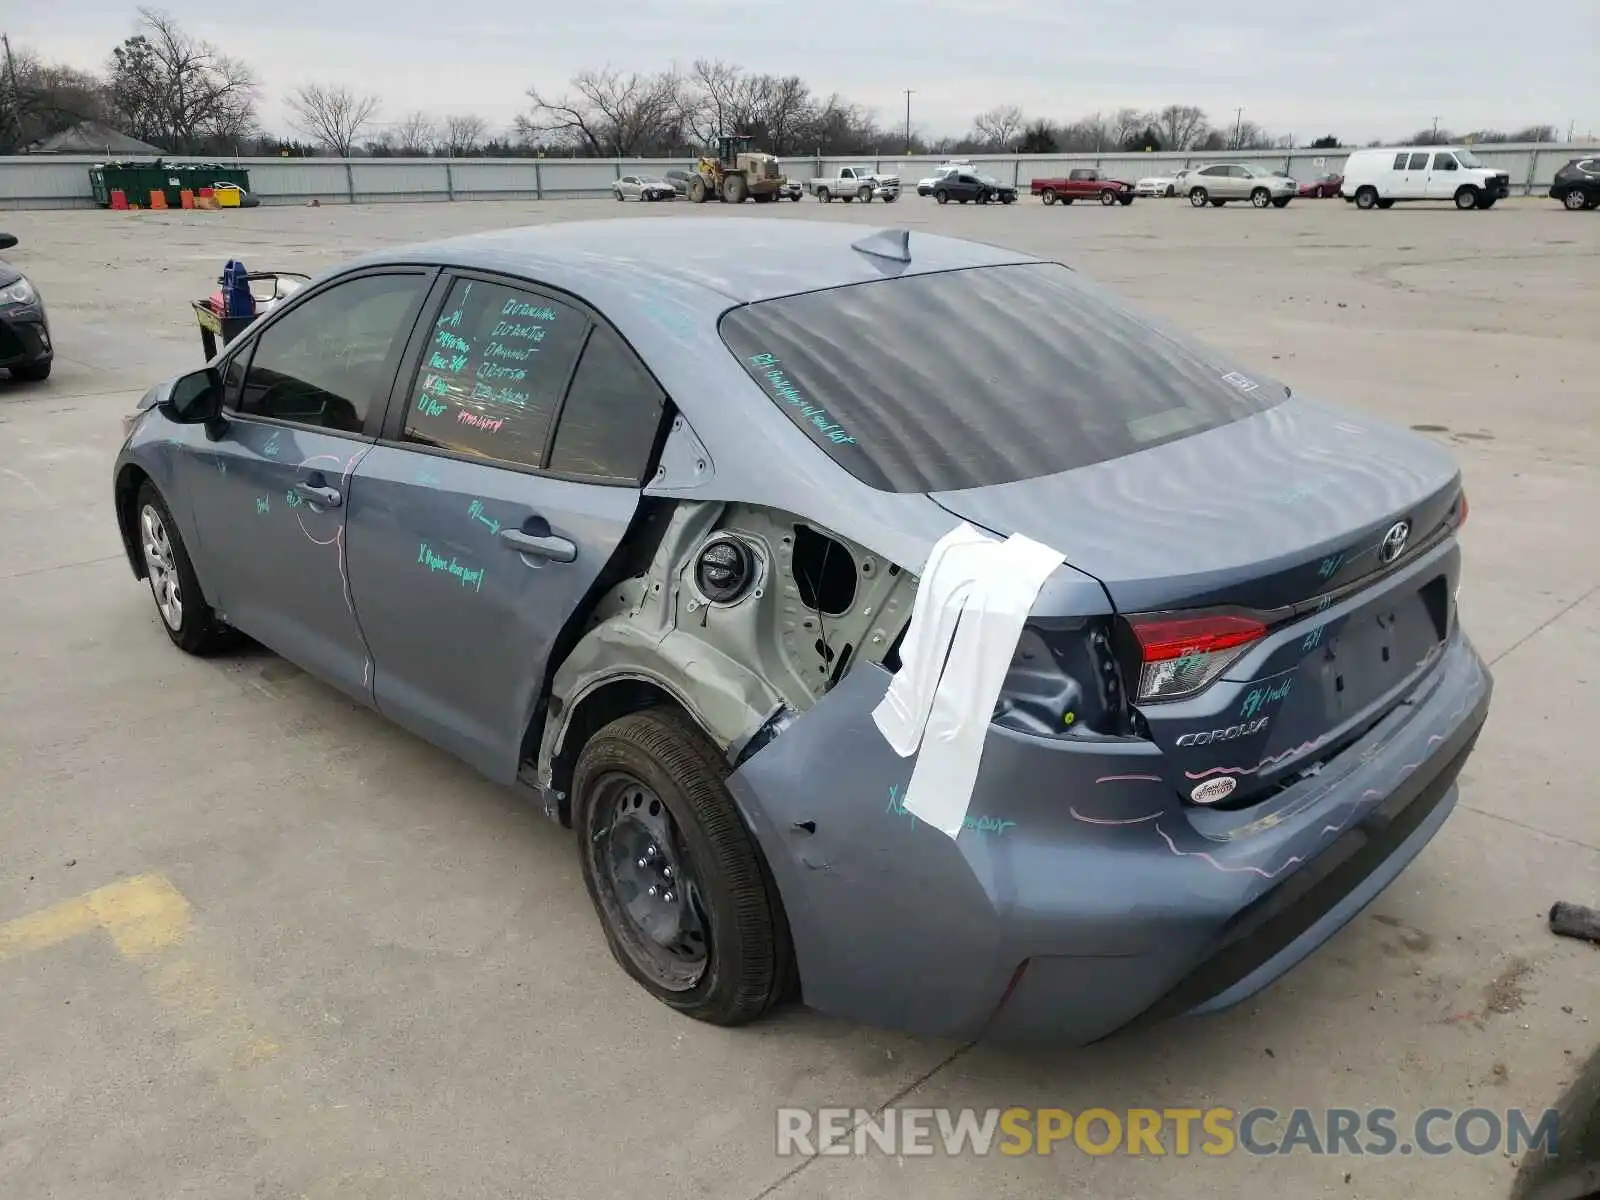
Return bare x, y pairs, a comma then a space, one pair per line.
1236, 712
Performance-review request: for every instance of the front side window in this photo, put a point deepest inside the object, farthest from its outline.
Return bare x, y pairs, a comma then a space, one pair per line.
1038, 371
329, 360
494, 369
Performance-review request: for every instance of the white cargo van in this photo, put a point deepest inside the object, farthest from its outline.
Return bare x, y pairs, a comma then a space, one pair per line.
1378, 178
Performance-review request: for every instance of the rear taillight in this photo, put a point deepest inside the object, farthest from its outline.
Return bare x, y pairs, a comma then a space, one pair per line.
1179, 656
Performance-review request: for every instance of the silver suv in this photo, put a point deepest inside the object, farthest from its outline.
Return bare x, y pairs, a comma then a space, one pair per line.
1221, 182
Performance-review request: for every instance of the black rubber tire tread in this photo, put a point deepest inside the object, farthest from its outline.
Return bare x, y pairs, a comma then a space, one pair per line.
202, 633
752, 961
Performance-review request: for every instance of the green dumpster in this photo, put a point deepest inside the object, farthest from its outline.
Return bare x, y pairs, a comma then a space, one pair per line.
134, 180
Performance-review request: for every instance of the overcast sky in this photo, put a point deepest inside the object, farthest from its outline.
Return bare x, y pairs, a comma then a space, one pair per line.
1301, 67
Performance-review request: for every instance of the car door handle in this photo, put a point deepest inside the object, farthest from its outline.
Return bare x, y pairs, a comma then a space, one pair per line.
556, 549
326, 496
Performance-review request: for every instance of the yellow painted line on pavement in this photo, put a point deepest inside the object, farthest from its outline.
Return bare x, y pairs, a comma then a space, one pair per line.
143, 915
147, 920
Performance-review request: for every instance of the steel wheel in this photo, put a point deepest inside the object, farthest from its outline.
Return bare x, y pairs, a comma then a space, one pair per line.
162, 566
647, 884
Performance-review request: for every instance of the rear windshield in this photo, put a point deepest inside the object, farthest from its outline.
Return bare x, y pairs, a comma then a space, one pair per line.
972, 378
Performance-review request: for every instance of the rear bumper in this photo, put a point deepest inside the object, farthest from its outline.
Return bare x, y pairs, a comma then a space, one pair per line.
1083, 897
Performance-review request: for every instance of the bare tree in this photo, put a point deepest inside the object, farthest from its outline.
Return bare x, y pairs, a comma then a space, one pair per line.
1129, 123
1089, 135
1180, 125
463, 133
169, 88
334, 116
47, 99
1249, 136
609, 114
999, 127
412, 136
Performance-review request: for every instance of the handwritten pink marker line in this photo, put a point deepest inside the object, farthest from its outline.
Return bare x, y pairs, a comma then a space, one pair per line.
1078, 816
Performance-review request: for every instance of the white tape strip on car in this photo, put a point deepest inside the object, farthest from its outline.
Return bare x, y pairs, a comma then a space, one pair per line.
979, 594
957, 561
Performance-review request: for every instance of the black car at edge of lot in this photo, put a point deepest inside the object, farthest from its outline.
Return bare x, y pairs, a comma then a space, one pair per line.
1577, 185
25, 346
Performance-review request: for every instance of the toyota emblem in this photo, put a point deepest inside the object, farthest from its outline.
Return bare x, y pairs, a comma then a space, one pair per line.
1394, 542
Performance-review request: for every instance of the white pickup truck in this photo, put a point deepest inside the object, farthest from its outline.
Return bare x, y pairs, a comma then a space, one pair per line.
856, 183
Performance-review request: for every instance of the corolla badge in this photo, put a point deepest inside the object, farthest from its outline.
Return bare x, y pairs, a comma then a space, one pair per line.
1213, 790
1394, 542
1243, 729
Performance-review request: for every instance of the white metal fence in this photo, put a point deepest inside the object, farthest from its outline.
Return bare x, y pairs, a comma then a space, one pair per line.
62, 181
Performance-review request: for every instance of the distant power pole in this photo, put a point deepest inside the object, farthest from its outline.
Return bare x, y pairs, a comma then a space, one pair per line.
909, 93
1238, 126
1436, 129
16, 92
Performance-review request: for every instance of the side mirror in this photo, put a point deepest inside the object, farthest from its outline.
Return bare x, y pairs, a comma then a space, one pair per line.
7, 240
196, 398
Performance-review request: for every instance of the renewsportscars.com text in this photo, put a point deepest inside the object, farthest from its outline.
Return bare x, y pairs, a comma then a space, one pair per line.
1177, 1132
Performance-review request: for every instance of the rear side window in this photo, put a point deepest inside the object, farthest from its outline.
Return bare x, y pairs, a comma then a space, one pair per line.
972, 378
497, 362
1418, 162
1400, 161
611, 416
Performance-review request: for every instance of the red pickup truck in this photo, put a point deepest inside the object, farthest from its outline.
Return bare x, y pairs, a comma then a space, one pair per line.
1086, 183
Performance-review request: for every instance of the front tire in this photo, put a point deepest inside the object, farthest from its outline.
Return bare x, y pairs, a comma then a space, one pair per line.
32, 372
1260, 198
1466, 198
1281, 202
1198, 197
942, 196
189, 621
684, 899
1108, 198
864, 195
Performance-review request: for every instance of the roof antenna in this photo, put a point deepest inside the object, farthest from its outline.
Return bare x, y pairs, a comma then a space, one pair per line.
892, 244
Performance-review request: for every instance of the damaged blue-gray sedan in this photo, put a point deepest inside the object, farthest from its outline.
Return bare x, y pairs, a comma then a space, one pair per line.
899, 621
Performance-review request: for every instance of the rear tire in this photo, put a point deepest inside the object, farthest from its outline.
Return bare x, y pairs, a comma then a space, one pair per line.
824, 195
1198, 197
1048, 196
654, 817
1366, 197
735, 188
1171, 191
1573, 200
189, 621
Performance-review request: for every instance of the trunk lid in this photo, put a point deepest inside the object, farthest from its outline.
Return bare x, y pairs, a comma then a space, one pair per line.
1288, 514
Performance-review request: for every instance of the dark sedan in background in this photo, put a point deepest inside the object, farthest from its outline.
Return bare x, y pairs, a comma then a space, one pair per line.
1577, 185
25, 346
964, 186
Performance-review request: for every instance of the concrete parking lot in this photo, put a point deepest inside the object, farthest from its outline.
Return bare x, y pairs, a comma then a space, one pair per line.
254, 942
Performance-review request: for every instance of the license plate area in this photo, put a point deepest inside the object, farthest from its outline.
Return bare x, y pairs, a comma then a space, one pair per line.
1379, 647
